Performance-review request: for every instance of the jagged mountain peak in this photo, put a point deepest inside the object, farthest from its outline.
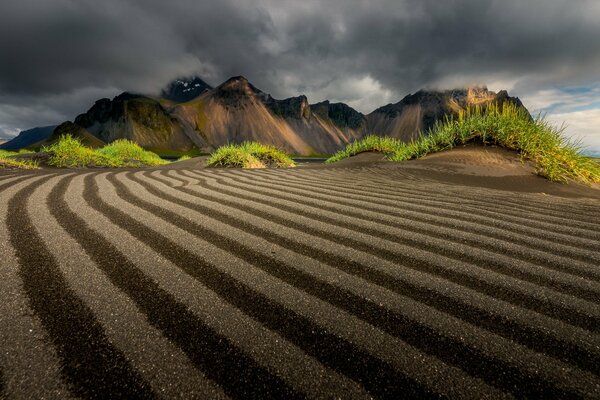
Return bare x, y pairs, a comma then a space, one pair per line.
237, 84
185, 89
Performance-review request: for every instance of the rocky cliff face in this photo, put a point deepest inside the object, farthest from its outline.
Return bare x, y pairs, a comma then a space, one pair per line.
237, 111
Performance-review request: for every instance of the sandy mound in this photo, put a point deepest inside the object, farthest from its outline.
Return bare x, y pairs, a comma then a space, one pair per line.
473, 165
361, 159
192, 163
477, 160
491, 167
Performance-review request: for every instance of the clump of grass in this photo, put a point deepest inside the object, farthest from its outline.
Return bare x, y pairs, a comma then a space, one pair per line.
69, 152
184, 157
129, 154
508, 126
249, 155
384, 144
7, 160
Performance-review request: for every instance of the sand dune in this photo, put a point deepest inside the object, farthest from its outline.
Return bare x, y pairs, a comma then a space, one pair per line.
460, 275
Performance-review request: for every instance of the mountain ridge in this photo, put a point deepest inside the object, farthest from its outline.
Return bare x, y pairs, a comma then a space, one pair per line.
237, 111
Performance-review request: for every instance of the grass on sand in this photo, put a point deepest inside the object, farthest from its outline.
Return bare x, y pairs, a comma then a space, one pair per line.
69, 152
7, 160
556, 157
249, 155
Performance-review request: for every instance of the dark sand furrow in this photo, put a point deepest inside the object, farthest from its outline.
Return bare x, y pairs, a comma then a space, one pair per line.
428, 262
533, 251
538, 339
519, 204
301, 371
478, 363
331, 350
540, 275
372, 180
565, 224
235, 372
447, 197
508, 203
5, 176
174, 377
26, 355
385, 182
2, 390
5, 184
498, 253
384, 280
434, 207
92, 367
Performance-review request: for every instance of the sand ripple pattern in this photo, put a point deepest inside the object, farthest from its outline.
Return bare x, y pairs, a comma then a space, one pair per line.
306, 283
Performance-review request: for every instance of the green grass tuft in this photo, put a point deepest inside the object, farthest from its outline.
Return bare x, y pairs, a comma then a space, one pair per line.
129, 154
384, 144
184, 158
508, 126
249, 155
7, 160
69, 152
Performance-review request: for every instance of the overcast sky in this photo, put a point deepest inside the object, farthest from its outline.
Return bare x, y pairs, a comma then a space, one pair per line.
58, 56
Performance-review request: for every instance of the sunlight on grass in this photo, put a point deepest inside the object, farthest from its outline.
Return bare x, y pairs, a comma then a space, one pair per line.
129, 153
556, 157
249, 155
69, 152
7, 160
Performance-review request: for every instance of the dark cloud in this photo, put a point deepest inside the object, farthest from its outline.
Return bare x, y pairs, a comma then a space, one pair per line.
60, 55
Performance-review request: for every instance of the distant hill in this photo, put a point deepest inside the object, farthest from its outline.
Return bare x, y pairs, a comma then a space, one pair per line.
28, 138
191, 115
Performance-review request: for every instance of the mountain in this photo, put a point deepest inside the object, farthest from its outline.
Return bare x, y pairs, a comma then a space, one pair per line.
28, 138
237, 111
184, 89
139, 118
418, 112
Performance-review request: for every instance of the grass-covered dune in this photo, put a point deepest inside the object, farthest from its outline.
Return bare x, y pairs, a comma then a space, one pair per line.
508, 126
249, 155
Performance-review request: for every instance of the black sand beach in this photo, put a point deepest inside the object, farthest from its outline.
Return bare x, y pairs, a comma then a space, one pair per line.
461, 275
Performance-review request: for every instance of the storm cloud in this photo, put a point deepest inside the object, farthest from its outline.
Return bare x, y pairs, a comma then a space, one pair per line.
58, 56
